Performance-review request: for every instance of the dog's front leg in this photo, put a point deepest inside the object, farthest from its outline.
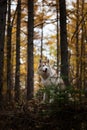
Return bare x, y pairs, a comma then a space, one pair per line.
44, 97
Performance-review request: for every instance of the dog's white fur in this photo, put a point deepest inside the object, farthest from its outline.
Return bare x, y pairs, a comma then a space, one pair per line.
48, 74
49, 77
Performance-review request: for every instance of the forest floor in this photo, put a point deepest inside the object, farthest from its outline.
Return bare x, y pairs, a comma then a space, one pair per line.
33, 115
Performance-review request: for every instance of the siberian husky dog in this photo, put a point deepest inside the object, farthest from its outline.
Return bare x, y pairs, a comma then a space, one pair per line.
49, 76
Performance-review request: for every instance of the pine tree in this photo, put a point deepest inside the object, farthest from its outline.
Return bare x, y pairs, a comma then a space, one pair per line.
63, 42
30, 58
3, 10
9, 36
17, 72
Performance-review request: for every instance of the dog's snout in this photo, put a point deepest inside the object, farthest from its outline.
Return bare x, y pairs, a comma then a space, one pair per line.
46, 70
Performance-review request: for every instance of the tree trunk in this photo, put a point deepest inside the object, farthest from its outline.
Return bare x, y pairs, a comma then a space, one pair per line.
77, 43
82, 71
63, 43
3, 10
42, 25
57, 36
9, 34
17, 72
30, 58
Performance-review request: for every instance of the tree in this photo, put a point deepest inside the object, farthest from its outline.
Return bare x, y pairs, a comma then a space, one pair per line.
42, 25
17, 72
3, 10
57, 36
82, 66
77, 43
30, 57
63, 42
9, 36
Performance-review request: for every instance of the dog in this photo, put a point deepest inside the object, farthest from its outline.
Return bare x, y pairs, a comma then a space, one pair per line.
48, 75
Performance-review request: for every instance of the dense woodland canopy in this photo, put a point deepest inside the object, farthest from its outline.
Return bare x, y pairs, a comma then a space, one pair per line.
31, 30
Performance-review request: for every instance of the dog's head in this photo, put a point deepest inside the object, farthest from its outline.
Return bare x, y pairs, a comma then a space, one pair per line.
44, 69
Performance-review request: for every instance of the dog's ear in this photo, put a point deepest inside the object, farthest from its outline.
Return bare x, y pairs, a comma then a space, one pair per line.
40, 61
48, 61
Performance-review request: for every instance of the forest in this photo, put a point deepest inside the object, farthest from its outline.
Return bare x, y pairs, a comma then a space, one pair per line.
43, 64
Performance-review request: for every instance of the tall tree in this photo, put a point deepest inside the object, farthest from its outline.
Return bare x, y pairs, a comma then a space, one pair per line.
17, 72
77, 43
82, 66
63, 42
41, 51
57, 36
30, 57
9, 34
3, 10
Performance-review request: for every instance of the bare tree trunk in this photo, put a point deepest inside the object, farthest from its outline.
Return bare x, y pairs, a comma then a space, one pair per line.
3, 10
42, 25
57, 36
85, 58
9, 34
82, 50
17, 72
77, 42
30, 57
63, 43
41, 51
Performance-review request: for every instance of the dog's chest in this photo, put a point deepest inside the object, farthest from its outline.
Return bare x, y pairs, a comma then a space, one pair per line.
50, 81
